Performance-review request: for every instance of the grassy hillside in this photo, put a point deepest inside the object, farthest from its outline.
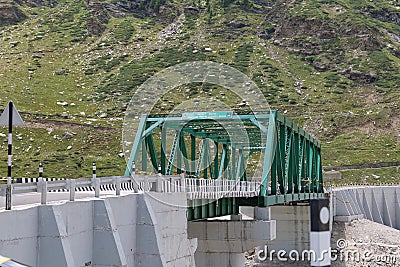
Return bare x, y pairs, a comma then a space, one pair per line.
71, 68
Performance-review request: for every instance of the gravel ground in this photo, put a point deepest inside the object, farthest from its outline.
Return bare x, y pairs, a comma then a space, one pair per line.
358, 243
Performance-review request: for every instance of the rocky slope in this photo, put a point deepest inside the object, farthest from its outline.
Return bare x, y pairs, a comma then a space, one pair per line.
331, 65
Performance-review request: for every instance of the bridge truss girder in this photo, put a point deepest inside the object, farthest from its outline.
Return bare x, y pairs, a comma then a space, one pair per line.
292, 167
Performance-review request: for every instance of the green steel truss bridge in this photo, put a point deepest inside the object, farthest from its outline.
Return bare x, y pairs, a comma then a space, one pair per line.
224, 160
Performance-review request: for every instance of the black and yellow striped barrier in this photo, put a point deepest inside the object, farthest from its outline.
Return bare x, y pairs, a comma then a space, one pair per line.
7, 262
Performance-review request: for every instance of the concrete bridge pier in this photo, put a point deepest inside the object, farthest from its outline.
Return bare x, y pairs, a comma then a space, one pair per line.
223, 242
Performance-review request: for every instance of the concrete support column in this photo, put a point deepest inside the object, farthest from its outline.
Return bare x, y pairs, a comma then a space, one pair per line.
107, 247
53, 242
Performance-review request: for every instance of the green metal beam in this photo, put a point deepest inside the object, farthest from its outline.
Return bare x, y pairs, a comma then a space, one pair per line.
292, 165
153, 153
238, 174
222, 165
193, 154
216, 150
233, 164
205, 158
182, 146
136, 145
163, 147
269, 153
153, 127
144, 157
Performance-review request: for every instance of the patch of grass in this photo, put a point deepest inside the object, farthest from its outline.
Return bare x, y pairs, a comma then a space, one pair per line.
62, 155
389, 175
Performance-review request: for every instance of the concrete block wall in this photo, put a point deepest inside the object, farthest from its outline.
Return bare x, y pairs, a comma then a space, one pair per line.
380, 204
292, 228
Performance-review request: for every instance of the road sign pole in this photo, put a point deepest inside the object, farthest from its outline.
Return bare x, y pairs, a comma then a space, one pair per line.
10, 117
10, 123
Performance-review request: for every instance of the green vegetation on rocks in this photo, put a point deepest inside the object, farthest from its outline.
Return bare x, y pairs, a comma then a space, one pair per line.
332, 66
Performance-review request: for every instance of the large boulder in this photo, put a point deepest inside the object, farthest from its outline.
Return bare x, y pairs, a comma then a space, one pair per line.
10, 13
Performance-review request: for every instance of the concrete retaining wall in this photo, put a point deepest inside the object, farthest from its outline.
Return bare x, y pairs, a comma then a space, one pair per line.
380, 204
131, 230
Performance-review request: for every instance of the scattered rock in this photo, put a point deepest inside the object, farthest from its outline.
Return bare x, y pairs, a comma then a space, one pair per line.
94, 27
60, 72
242, 104
63, 103
367, 77
68, 135
319, 66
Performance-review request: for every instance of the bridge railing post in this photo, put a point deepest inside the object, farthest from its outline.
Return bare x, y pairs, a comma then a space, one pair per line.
71, 188
43, 191
118, 186
159, 185
96, 184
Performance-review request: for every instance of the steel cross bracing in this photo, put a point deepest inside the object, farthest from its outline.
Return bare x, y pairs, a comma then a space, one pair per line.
221, 145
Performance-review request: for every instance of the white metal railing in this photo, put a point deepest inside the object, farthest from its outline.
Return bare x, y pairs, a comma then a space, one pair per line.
219, 188
194, 188
72, 185
198, 188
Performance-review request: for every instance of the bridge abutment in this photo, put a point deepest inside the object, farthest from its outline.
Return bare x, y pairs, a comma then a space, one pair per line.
223, 242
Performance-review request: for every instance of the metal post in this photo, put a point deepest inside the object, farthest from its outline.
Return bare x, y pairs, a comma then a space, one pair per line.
40, 179
8, 197
40, 172
94, 170
10, 123
10, 119
159, 170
